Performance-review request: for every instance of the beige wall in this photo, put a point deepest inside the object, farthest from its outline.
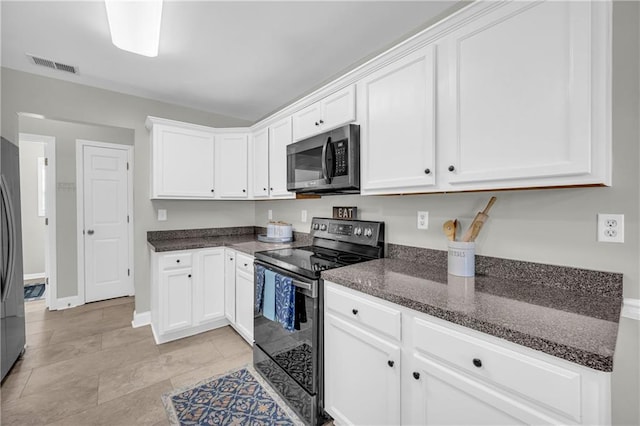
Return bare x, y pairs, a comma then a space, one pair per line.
33, 228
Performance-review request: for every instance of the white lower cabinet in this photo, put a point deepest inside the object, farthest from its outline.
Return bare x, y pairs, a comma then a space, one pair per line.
439, 373
230, 285
187, 293
362, 375
244, 297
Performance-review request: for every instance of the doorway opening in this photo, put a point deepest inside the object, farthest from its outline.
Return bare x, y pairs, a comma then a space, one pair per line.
38, 215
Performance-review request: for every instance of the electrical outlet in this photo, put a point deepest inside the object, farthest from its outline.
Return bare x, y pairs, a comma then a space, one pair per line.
270, 215
610, 228
303, 216
423, 220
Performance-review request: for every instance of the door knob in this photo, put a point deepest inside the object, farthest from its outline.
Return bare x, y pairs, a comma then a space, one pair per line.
90, 231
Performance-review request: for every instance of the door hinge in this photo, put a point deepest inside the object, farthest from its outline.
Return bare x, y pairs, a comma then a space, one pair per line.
127, 218
46, 281
127, 165
46, 221
129, 272
46, 161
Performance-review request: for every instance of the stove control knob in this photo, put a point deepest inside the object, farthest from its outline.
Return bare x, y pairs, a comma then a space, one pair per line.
316, 226
368, 232
357, 231
323, 227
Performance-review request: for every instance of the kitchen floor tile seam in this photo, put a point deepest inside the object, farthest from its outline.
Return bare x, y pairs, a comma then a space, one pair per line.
24, 385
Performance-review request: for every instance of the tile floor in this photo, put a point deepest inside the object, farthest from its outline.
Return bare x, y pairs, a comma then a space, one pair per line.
87, 366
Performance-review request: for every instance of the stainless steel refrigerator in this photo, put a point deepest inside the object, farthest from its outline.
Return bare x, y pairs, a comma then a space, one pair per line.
12, 295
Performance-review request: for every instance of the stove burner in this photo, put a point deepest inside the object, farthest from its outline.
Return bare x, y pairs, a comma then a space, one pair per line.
349, 258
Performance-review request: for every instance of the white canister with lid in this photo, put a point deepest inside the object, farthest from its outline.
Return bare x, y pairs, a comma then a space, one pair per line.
462, 258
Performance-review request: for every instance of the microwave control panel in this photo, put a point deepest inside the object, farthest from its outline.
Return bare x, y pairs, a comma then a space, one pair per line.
341, 158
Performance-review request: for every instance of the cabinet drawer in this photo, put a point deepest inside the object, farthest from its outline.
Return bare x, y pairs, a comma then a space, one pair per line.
244, 263
363, 311
175, 260
552, 386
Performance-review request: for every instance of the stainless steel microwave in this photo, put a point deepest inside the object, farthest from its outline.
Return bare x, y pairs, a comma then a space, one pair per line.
328, 163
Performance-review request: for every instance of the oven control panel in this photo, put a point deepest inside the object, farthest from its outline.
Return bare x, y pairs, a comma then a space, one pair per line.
346, 230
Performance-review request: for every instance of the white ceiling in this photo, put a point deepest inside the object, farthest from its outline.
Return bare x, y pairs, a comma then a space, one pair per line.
240, 59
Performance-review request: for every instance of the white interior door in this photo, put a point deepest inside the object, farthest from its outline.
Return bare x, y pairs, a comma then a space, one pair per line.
106, 230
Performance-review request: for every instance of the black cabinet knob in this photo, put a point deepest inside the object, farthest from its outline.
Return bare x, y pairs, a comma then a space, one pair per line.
477, 362
177, 260
451, 168
427, 171
390, 363
271, 189
244, 190
355, 311
231, 259
212, 190
246, 264
189, 275
264, 189
416, 375
317, 124
321, 121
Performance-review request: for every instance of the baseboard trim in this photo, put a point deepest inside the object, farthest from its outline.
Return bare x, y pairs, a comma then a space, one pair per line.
631, 308
66, 303
39, 275
141, 319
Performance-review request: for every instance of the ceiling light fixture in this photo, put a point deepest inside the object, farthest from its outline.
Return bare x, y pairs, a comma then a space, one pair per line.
135, 25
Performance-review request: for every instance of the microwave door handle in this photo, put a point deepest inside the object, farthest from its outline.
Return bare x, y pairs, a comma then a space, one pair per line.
325, 173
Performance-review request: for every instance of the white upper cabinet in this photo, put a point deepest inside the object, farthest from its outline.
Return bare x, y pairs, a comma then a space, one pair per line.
279, 138
182, 162
231, 165
260, 164
397, 125
333, 111
525, 90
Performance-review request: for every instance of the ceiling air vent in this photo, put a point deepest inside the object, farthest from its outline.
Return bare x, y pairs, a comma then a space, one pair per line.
53, 64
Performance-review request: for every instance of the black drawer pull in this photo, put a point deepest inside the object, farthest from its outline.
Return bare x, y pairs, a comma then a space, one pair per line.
416, 375
477, 362
177, 260
355, 311
189, 275
391, 363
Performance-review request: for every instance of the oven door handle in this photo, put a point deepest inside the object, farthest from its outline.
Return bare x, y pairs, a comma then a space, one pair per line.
308, 288
301, 284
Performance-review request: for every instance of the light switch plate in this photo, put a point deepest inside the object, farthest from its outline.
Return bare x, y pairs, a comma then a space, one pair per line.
162, 214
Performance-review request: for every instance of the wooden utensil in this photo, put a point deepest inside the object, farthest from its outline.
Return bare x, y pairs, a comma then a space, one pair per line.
478, 222
449, 229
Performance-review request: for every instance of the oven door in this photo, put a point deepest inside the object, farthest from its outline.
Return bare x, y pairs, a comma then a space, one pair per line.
296, 352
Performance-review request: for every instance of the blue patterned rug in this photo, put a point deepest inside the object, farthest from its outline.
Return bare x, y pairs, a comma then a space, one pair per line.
240, 397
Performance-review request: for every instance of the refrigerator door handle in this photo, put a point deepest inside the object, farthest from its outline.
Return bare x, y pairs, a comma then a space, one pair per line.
8, 207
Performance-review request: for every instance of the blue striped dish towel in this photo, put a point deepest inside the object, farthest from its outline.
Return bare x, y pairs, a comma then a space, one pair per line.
269, 303
259, 288
285, 302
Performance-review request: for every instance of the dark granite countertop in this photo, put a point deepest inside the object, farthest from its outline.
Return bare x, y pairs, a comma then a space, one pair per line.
578, 327
235, 238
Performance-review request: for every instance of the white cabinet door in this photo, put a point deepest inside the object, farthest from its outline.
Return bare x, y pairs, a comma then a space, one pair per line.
279, 138
231, 165
208, 296
519, 98
333, 111
306, 122
230, 285
362, 375
339, 108
176, 298
244, 304
261, 164
439, 395
183, 163
398, 126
